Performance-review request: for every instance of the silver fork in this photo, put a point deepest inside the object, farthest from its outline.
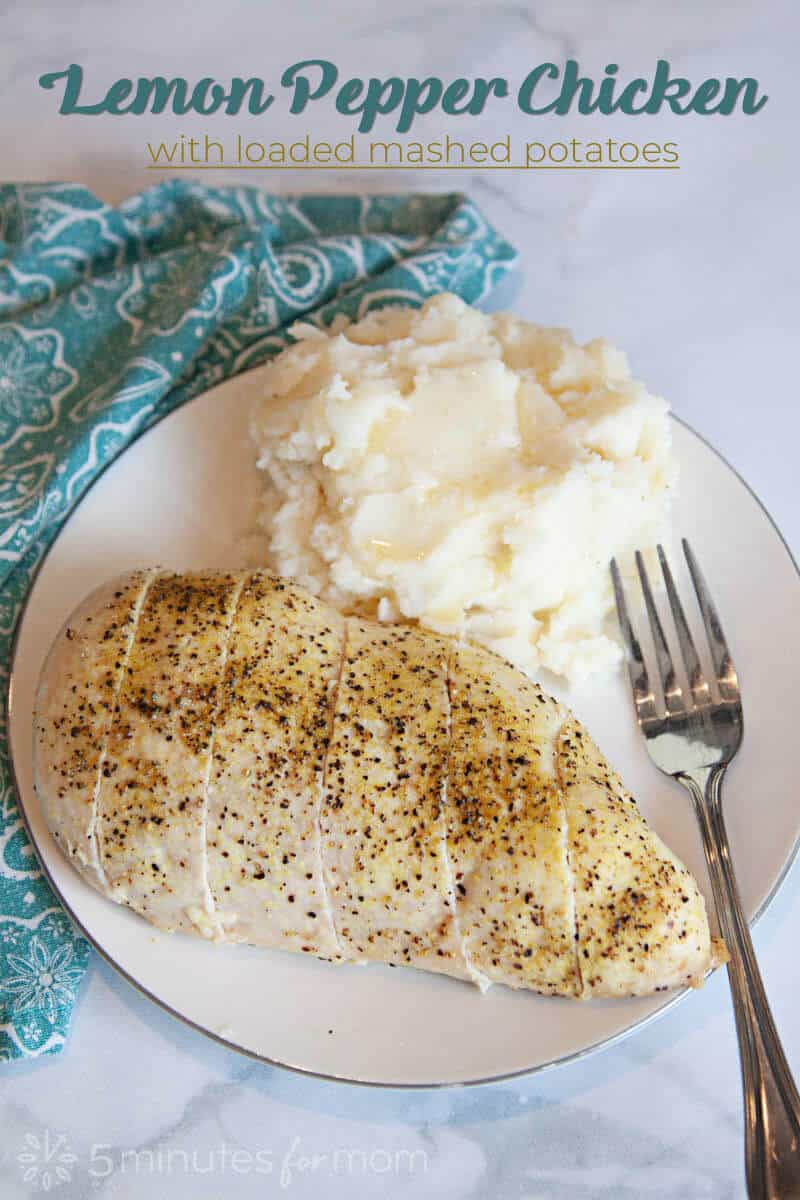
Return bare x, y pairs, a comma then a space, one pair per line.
693, 736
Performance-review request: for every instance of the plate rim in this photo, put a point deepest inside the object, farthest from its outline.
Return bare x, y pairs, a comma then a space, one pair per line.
254, 1055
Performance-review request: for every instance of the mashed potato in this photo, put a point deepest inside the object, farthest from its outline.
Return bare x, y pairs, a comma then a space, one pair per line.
474, 473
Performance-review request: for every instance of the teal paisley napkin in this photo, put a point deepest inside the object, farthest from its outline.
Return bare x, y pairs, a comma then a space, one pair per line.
109, 319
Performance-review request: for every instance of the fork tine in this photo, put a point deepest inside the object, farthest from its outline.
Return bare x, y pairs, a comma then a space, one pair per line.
720, 654
643, 697
673, 697
691, 660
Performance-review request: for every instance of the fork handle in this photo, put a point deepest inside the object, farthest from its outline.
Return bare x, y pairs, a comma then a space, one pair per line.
771, 1101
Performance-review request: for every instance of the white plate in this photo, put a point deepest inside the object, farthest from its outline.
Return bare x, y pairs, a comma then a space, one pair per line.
184, 497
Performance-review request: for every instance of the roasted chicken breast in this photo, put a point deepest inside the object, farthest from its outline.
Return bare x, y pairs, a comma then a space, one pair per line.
228, 755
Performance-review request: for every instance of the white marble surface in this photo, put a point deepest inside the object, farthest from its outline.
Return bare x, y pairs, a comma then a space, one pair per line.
695, 273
